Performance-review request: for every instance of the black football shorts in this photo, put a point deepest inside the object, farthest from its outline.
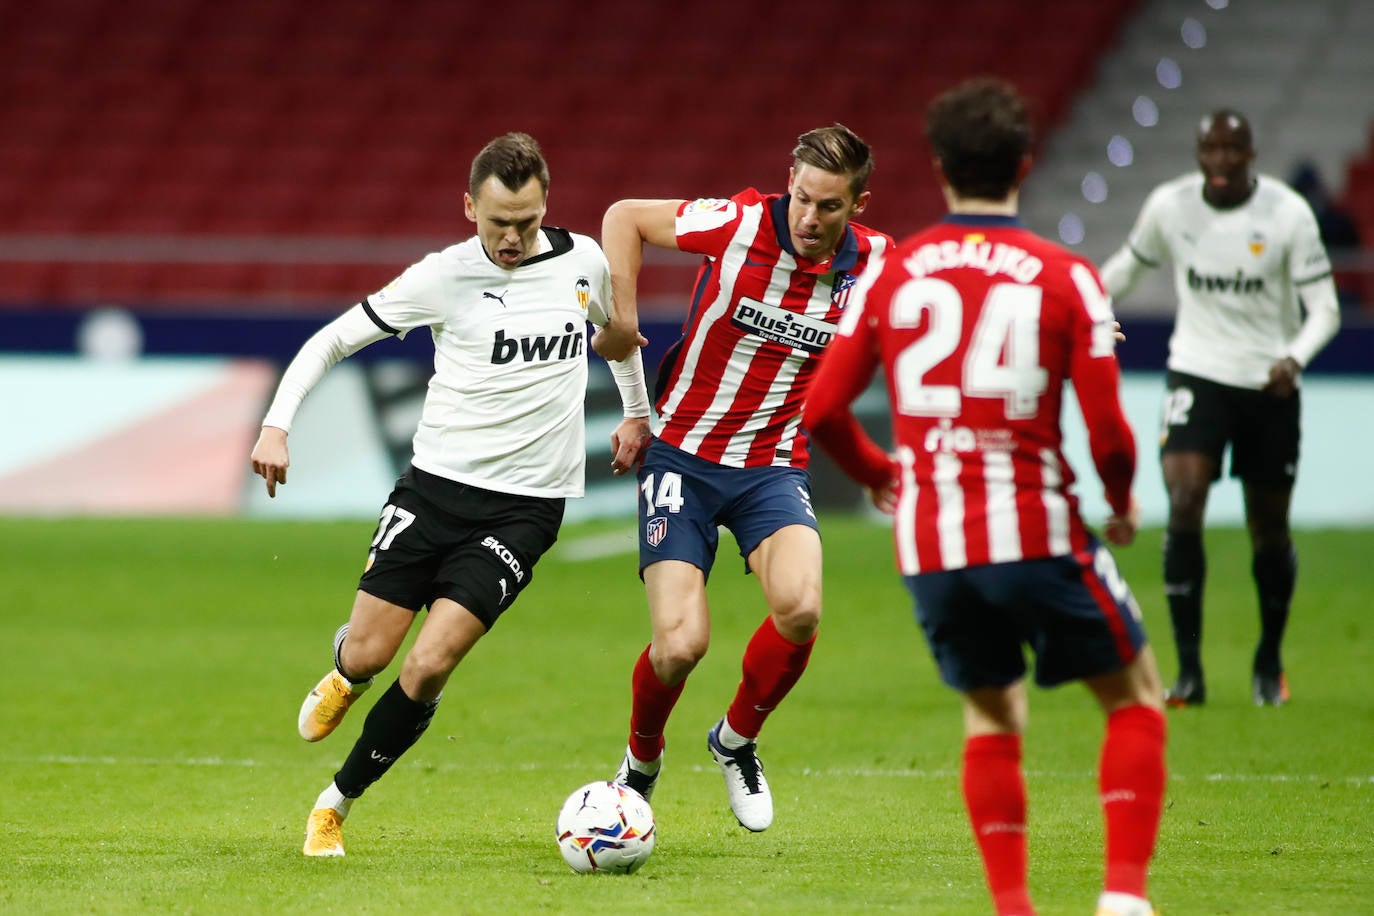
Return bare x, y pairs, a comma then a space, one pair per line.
437, 538
1263, 431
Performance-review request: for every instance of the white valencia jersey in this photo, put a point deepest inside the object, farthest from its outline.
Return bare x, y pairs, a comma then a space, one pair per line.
1237, 275
504, 410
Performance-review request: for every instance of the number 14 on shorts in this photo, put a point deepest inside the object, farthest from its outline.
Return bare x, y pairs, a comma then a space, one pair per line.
668, 494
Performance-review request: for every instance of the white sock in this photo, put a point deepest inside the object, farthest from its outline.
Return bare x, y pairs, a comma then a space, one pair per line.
730, 739
647, 767
333, 798
1125, 904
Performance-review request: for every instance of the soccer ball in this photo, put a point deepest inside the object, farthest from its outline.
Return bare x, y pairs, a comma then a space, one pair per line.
605, 827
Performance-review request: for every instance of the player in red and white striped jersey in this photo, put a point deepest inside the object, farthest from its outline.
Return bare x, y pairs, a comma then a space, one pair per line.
776, 275
978, 324
728, 395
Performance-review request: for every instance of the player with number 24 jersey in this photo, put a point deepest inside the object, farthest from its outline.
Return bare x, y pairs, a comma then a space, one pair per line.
977, 323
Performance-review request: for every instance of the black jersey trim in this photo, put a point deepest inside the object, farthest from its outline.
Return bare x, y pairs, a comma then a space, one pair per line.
560, 241
367, 307
1312, 279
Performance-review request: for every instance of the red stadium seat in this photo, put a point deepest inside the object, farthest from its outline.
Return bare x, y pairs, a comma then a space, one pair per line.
265, 117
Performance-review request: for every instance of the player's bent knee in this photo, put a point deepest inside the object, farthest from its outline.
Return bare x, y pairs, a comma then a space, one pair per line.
674, 659
363, 658
798, 621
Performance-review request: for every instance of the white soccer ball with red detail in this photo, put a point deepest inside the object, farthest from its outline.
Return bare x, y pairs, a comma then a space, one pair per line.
605, 827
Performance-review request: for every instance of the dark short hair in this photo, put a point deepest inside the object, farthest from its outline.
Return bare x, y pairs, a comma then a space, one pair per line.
514, 159
838, 150
980, 132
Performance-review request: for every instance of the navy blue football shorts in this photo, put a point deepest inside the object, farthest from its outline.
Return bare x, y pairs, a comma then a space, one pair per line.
438, 538
684, 500
1075, 613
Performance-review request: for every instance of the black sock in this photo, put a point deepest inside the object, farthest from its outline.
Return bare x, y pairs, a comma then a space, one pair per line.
393, 725
1185, 570
1276, 572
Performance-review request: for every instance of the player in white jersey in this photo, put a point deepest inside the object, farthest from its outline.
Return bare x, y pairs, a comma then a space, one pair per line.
1256, 302
500, 446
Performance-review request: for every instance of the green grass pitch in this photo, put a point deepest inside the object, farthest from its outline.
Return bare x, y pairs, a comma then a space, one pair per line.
153, 669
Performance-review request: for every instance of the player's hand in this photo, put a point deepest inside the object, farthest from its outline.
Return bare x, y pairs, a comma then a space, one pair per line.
615, 343
884, 498
270, 458
1120, 530
1116, 331
628, 441
1283, 378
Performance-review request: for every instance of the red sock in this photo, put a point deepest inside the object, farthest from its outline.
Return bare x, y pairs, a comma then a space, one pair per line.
995, 795
651, 703
1131, 781
772, 665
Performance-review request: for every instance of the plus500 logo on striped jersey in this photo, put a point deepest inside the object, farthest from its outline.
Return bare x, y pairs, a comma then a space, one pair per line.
778, 324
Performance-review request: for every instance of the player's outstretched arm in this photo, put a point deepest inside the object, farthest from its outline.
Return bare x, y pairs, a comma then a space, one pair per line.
627, 225
347, 334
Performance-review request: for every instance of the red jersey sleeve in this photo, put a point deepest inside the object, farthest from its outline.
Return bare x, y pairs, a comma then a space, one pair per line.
846, 369
706, 225
1096, 378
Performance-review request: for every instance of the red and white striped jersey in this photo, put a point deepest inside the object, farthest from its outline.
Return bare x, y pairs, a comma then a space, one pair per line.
978, 324
731, 391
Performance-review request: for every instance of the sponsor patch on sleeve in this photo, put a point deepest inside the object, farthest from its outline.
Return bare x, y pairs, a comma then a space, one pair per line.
705, 214
709, 205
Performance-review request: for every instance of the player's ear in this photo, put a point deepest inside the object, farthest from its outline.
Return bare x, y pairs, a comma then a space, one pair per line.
861, 203
469, 207
938, 168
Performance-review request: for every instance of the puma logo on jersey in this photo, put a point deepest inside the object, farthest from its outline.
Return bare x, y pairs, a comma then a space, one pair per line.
501, 298
537, 349
1239, 283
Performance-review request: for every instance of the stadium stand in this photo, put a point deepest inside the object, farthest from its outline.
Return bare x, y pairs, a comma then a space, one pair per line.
160, 124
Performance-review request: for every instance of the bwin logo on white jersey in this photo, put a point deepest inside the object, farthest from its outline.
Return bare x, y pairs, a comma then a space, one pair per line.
537, 348
492, 543
1240, 283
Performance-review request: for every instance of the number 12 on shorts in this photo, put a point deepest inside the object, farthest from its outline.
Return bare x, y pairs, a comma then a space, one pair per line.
668, 494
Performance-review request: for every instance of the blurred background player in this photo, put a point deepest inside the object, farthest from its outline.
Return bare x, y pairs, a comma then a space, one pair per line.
978, 324
1248, 262
500, 447
728, 449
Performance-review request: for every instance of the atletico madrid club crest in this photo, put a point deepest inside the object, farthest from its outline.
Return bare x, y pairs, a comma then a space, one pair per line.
656, 530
